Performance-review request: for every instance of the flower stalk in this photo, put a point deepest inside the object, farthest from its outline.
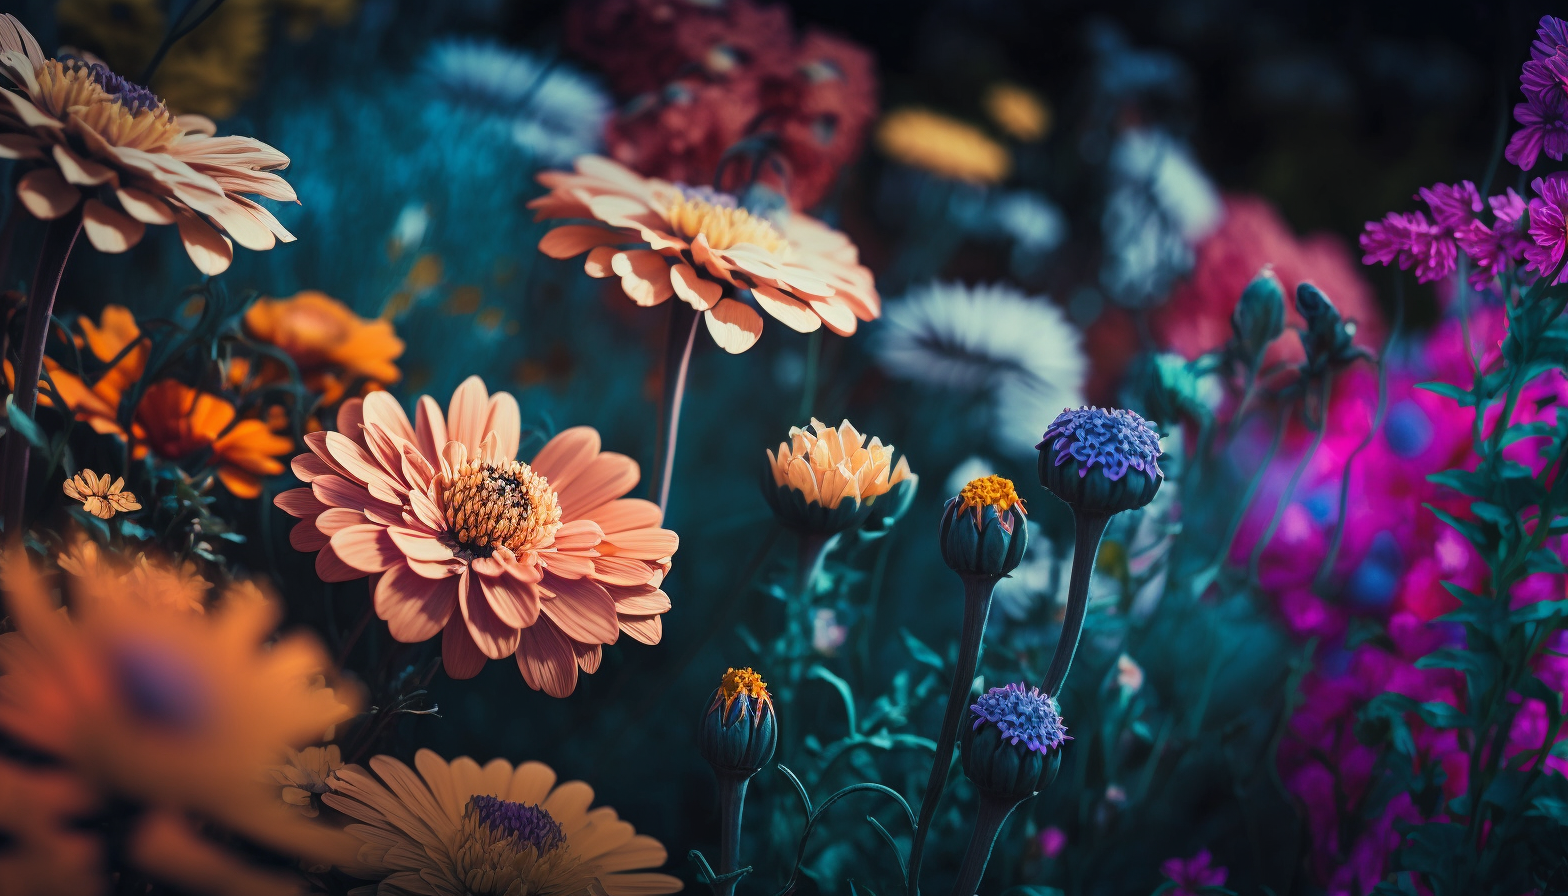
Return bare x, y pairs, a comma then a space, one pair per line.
992, 814
732, 805
1089, 529
677, 362
59, 239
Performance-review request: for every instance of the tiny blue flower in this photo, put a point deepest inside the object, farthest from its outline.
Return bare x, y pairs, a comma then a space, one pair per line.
1116, 439
1022, 716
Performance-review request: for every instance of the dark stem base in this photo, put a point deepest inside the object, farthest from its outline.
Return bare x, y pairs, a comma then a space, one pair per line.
732, 805
993, 812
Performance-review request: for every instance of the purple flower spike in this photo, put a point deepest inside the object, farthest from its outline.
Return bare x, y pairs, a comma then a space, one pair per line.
1116, 439
1549, 224
1022, 716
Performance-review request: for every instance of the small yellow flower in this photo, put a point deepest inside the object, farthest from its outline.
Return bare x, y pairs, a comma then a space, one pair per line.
944, 146
306, 774
1019, 111
989, 491
99, 496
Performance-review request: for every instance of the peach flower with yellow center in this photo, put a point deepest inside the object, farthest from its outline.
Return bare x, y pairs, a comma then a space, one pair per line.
544, 560
699, 245
114, 148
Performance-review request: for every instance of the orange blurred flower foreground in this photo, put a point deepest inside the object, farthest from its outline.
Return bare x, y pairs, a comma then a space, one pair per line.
177, 422
177, 714
665, 240
331, 345
544, 560
460, 827
136, 161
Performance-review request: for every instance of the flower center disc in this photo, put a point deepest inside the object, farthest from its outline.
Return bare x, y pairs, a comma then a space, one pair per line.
489, 506
122, 112
717, 217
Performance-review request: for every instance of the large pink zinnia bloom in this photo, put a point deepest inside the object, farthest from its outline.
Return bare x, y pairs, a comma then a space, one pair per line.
545, 560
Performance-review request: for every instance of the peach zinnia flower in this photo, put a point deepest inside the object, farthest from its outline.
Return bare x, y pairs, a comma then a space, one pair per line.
177, 422
137, 163
460, 827
662, 240
324, 336
827, 479
544, 560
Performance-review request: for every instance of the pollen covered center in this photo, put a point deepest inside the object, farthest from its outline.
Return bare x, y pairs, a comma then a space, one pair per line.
121, 112
738, 682
990, 491
723, 223
489, 506
505, 848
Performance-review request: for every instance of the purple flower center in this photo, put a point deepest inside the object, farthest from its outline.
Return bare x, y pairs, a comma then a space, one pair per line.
160, 689
1115, 439
518, 822
1022, 716
134, 97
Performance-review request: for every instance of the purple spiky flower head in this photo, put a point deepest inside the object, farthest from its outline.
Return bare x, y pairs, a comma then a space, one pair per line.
1101, 461
1022, 715
518, 822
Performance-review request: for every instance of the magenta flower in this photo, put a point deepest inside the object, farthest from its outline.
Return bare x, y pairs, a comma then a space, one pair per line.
1194, 874
1052, 841
1548, 224
1545, 120
1453, 205
1410, 240
1493, 248
1542, 76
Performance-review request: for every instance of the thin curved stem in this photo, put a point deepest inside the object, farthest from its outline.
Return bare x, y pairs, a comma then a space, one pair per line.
992, 814
977, 606
1325, 390
808, 390
677, 361
732, 805
58, 241
1252, 490
1090, 528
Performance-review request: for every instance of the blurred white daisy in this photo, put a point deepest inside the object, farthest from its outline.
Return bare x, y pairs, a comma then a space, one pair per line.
557, 112
968, 470
1036, 578
1030, 220
1019, 350
1159, 206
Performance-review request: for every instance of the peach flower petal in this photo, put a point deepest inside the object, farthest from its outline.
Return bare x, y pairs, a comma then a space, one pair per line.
366, 547
624, 514
414, 607
45, 194
645, 276
597, 264
698, 292
494, 638
645, 629
467, 413
575, 239
566, 455
607, 477
546, 658
209, 250
460, 657
305, 537
791, 311
733, 325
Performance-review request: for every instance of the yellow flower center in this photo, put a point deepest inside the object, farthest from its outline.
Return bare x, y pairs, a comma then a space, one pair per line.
491, 506
133, 118
989, 491
741, 681
511, 849
723, 225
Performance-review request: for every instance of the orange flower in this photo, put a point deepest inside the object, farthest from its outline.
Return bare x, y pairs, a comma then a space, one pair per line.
137, 162
321, 334
176, 422
45, 853
180, 713
699, 245
99, 496
116, 338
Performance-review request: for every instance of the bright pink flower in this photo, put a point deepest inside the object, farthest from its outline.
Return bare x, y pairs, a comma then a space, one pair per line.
1548, 224
1192, 875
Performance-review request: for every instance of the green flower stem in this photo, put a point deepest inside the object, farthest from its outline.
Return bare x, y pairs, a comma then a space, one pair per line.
977, 606
1282, 419
58, 241
677, 361
732, 804
993, 812
813, 551
1090, 528
1326, 388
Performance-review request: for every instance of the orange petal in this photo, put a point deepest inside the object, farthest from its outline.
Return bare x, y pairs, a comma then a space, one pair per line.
108, 230
598, 263
575, 239
733, 325
46, 194
566, 455
582, 608
786, 308
645, 276
415, 608
695, 291
546, 658
459, 655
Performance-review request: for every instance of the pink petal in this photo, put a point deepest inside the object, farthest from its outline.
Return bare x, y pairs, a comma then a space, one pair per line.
418, 546
582, 608
734, 326
308, 466
546, 659
622, 571
466, 415
366, 547
414, 607
515, 603
575, 239
306, 537
337, 491
334, 519
623, 514
381, 409
331, 568
578, 536
459, 655
588, 659
506, 421
643, 544
298, 502
646, 629
494, 637
597, 264
567, 566
430, 429
608, 477
650, 604
566, 455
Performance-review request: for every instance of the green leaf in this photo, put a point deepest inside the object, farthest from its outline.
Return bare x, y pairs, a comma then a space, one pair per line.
920, 652
1539, 611
19, 421
1469, 530
1449, 390
1493, 514
1457, 658
1466, 482
1555, 808
1443, 715
1544, 560
1537, 429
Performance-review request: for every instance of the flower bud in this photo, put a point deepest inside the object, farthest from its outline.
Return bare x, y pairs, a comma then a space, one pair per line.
1013, 748
1101, 462
739, 730
1259, 318
826, 480
983, 531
